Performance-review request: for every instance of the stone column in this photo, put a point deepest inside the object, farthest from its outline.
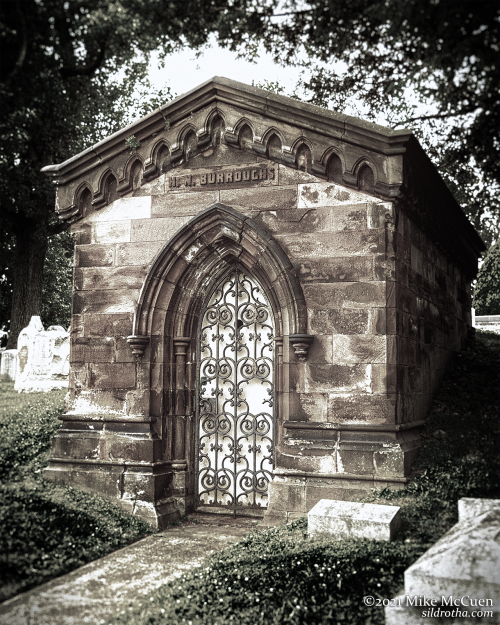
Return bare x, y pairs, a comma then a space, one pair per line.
180, 419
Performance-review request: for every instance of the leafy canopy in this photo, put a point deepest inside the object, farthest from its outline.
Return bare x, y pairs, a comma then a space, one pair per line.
430, 65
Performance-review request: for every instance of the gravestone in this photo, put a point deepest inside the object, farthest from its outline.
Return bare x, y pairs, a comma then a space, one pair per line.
458, 578
340, 520
8, 367
43, 357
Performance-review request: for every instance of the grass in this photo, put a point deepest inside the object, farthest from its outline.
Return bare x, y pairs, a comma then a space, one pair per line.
271, 577
46, 529
280, 576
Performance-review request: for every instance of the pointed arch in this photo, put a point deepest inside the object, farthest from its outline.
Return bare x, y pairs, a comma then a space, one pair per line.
198, 255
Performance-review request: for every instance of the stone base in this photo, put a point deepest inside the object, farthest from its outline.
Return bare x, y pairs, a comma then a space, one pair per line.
141, 490
292, 496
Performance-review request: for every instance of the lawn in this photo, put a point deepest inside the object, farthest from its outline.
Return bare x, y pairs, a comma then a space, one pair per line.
271, 577
46, 529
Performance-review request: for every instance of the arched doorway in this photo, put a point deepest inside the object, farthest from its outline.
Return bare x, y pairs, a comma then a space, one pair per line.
235, 423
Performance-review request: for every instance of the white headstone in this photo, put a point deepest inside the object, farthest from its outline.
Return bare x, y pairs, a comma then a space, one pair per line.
345, 519
43, 358
463, 565
8, 366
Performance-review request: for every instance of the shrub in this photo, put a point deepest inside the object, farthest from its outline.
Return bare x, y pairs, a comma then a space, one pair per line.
46, 529
487, 290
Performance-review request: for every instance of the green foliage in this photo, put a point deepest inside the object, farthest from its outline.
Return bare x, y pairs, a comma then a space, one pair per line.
58, 281
132, 143
425, 65
280, 576
46, 529
487, 290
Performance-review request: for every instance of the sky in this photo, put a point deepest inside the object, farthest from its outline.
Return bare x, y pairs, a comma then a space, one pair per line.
183, 71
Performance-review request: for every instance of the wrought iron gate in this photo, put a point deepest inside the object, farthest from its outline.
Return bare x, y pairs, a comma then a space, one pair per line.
235, 420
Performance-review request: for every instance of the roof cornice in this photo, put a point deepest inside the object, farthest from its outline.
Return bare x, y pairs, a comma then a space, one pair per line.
300, 114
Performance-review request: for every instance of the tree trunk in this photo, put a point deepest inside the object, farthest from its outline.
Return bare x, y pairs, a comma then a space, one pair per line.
31, 247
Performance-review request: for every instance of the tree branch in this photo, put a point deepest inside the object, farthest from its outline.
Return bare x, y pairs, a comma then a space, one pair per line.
86, 70
424, 117
23, 50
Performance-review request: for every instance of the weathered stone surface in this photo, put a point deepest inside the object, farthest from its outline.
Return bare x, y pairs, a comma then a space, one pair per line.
137, 253
336, 244
110, 232
43, 358
113, 278
313, 195
94, 255
458, 575
346, 295
342, 520
470, 507
110, 301
180, 204
160, 229
303, 221
465, 561
8, 367
263, 199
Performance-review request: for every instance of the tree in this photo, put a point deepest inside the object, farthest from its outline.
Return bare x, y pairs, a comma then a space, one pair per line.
430, 65
487, 291
69, 74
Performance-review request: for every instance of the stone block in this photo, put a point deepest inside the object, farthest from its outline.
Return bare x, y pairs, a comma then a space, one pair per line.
110, 232
178, 204
108, 301
94, 255
362, 408
332, 244
114, 278
341, 269
260, 199
313, 195
122, 209
344, 321
340, 520
465, 561
352, 349
117, 324
159, 229
308, 407
137, 253
115, 375
346, 295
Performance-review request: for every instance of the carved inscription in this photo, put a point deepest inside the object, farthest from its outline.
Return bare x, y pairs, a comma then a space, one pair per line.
247, 175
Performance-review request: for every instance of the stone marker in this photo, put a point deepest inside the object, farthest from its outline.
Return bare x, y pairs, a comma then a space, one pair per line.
43, 358
345, 519
464, 565
8, 367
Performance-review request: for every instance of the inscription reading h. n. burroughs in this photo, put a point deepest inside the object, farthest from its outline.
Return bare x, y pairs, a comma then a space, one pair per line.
226, 176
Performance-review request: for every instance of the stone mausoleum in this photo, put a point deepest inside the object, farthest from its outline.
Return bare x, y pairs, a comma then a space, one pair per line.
266, 296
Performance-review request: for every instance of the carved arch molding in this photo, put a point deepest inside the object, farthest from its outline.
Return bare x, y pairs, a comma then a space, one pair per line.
197, 256
170, 304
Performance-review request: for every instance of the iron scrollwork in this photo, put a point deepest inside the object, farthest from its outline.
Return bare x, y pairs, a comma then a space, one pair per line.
235, 418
